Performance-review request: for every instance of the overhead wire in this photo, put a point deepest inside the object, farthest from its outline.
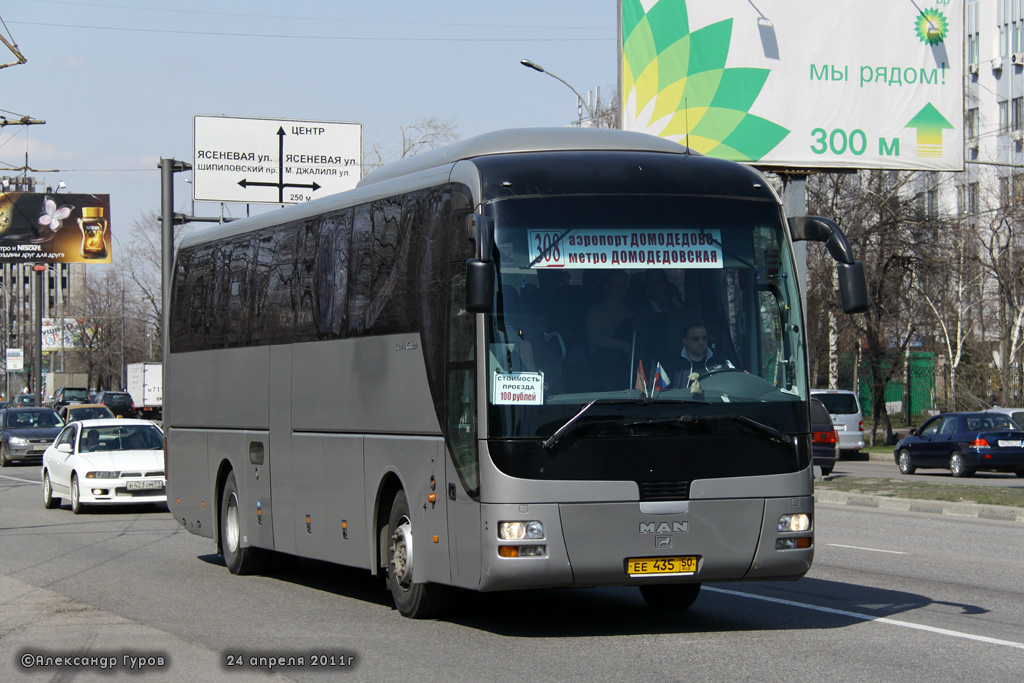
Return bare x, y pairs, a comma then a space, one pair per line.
226, 34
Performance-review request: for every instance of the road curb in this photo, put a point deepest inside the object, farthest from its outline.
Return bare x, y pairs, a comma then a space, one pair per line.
970, 510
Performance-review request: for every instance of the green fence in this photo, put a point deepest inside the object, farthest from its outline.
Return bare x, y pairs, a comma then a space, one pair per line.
916, 387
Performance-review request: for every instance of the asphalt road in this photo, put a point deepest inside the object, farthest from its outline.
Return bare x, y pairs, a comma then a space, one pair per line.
891, 596
883, 466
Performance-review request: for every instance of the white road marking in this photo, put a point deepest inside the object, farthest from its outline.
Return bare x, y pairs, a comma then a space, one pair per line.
27, 481
874, 550
868, 617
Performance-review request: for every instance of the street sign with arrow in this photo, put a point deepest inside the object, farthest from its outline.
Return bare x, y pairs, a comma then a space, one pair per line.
273, 161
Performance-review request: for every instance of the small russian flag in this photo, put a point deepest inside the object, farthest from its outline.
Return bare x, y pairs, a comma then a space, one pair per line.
661, 379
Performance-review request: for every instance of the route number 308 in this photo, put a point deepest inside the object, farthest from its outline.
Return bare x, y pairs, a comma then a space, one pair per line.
543, 242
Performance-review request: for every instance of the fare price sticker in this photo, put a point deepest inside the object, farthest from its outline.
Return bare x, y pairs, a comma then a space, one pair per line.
518, 388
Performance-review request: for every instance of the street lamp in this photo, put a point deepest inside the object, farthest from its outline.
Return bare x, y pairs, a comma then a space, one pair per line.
538, 67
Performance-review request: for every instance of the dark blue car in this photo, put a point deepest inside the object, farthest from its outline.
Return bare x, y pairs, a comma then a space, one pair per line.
964, 443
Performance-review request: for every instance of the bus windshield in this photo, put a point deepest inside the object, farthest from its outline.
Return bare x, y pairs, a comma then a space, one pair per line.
652, 306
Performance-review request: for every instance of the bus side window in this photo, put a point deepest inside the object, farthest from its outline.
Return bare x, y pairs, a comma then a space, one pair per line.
462, 423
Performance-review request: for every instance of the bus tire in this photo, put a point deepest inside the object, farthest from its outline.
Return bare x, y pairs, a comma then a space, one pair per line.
413, 600
670, 596
239, 559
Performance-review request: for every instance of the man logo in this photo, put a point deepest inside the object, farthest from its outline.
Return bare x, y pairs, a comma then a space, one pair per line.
663, 542
663, 528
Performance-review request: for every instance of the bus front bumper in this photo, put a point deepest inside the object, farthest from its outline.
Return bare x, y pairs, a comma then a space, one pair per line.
631, 543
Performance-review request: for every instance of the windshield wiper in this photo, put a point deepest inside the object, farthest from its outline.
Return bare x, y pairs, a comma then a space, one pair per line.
561, 431
743, 419
571, 422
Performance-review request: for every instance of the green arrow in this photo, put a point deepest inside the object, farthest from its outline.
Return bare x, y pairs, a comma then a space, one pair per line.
929, 124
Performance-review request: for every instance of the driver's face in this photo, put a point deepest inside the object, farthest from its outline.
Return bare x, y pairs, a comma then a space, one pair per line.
696, 342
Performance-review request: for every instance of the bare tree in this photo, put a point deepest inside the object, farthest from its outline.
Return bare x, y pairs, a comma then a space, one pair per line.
142, 259
949, 287
1001, 254
422, 134
607, 113
877, 211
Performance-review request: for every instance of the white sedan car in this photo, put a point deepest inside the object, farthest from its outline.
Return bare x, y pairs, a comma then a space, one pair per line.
105, 462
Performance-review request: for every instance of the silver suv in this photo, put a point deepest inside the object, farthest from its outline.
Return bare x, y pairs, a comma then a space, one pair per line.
844, 407
1017, 414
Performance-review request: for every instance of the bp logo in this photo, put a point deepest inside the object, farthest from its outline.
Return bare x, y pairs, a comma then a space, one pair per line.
931, 26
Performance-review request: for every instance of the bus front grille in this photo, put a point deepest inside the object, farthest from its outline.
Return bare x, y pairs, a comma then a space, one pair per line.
664, 490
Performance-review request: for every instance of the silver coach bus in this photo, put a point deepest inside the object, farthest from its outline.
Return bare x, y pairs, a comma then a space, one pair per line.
469, 372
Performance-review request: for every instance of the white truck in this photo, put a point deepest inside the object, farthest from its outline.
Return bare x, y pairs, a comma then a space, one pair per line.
146, 385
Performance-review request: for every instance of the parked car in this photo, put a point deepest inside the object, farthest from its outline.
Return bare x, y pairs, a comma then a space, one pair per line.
1016, 413
26, 432
69, 395
847, 418
964, 443
85, 411
824, 444
119, 402
23, 400
108, 461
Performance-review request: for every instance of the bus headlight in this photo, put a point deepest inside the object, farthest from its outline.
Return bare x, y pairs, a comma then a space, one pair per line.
799, 521
517, 531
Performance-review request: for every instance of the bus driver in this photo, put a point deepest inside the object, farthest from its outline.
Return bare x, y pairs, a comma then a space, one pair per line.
697, 357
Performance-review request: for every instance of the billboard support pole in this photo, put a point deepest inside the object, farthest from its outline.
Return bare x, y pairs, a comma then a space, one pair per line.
7, 338
37, 285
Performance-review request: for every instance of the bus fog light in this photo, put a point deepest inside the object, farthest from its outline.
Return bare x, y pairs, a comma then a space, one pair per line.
792, 543
799, 521
517, 531
522, 551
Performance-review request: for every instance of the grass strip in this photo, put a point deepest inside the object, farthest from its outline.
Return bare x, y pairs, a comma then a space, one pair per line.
921, 490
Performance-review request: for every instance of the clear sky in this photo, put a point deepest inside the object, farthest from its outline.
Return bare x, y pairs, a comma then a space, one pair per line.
119, 81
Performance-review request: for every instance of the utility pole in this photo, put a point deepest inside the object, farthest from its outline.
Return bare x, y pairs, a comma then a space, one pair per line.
13, 47
23, 121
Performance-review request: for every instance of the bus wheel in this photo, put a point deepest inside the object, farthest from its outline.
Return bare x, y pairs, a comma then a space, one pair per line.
238, 559
677, 596
413, 600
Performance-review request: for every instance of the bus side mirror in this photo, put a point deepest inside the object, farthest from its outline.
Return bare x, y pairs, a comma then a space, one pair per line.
481, 231
479, 285
853, 289
480, 271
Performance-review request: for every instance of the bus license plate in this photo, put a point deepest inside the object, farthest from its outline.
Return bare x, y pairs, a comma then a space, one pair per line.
141, 485
646, 566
